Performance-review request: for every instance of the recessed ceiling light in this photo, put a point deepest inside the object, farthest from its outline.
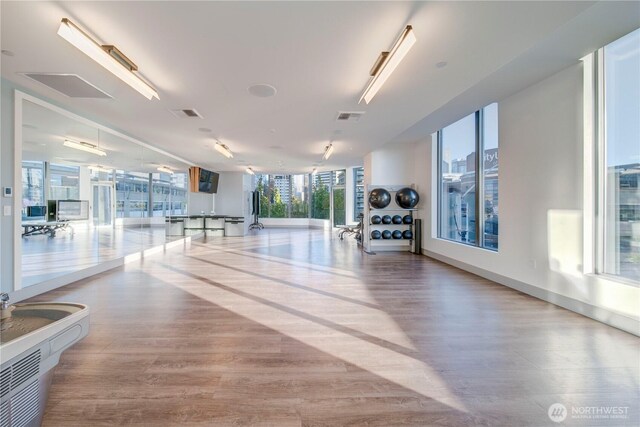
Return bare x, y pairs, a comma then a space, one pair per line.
8, 52
441, 64
262, 90
204, 129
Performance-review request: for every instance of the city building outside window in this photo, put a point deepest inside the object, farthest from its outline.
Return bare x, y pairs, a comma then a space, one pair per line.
64, 182
358, 192
468, 185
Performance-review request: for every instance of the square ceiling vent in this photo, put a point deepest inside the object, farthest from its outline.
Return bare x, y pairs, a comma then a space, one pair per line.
70, 85
349, 116
186, 113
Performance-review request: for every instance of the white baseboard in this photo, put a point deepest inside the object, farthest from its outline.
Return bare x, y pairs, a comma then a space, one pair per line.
600, 314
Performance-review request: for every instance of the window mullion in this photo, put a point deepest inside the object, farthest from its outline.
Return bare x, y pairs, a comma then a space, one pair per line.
479, 181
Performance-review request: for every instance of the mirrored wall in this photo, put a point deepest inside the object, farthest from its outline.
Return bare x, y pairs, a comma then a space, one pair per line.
89, 195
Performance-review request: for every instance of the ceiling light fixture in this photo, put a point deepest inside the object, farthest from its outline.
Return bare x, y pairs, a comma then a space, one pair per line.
106, 55
84, 146
98, 168
250, 171
314, 171
224, 150
387, 63
165, 169
328, 152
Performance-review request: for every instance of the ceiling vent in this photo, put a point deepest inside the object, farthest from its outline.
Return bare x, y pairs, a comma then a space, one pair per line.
187, 113
349, 116
70, 85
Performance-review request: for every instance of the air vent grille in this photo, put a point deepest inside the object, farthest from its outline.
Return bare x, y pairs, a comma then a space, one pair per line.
187, 113
70, 85
4, 414
349, 116
24, 405
5, 381
25, 369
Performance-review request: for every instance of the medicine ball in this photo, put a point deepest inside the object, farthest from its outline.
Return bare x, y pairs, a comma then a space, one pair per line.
386, 219
376, 219
375, 234
407, 219
386, 234
407, 198
379, 198
397, 219
407, 234
397, 234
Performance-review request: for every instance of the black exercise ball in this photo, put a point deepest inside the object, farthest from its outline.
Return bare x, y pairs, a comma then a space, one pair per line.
379, 198
386, 219
407, 219
407, 234
397, 234
375, 234
407, 198
397, 219
376, 219
386, 234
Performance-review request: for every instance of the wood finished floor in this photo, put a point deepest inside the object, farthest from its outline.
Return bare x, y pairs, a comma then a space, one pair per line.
293, 327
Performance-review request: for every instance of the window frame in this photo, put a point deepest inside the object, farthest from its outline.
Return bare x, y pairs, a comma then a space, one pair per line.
595, 173
479, 184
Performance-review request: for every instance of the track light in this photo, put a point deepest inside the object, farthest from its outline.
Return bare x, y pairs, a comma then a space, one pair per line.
387, 63
84, 146
223, 149
106, 55
250, 171
165, 169
328, 151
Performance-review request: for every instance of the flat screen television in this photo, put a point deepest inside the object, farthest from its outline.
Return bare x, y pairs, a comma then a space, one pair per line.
208, 181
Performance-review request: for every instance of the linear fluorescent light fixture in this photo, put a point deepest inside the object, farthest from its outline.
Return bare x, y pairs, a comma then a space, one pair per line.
314, 171
165, 169
387, 63
98, 168
106, 55
224, 150
84, 146
328, 152
250, 171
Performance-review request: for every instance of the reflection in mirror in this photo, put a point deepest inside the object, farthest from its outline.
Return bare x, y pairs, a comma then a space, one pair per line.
98, 198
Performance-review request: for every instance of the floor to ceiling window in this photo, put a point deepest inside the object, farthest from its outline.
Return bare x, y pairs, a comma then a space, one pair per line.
64, 182
283, 195
32, 184
358, 193
620, 158
468, 182
132, 194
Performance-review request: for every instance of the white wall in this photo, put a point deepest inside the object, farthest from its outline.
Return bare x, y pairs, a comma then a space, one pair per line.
230, 195
6, 180
388, 166
541, 203
198, 203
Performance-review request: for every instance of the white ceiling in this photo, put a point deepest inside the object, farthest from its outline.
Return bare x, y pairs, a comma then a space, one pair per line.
204, 55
